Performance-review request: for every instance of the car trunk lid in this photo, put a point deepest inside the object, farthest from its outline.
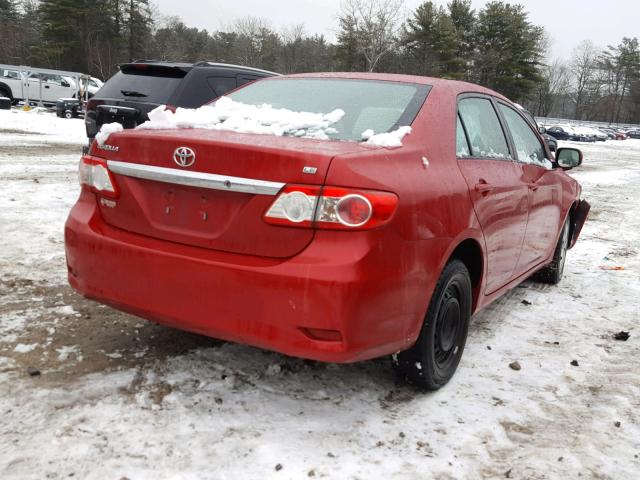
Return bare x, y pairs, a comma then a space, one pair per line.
217, 198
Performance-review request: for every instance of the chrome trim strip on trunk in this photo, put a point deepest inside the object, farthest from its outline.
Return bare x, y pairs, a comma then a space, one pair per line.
195, 179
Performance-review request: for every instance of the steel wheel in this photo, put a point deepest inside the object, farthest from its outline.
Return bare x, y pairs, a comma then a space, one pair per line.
434, 358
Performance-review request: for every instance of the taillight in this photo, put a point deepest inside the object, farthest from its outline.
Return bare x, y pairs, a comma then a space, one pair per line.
331, 207
94, 173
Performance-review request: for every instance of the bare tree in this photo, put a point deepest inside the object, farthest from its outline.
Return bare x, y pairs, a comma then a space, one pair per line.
375, 26
292, 38
583, 68
252, 33
556, 84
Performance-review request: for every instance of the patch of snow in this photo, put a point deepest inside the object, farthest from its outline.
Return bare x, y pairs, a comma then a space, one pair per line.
24, 348
65, 352
141, 353
388, 139
12, 324
274, 369
367, 134
40, 126
67, 310
107, 129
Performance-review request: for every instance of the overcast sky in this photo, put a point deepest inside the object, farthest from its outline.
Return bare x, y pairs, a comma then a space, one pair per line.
567, 21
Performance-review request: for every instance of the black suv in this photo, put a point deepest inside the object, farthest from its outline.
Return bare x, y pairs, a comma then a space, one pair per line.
141, 86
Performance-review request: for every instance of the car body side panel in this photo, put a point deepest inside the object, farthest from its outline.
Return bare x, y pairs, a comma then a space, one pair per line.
434, 214
502, 213
545, 216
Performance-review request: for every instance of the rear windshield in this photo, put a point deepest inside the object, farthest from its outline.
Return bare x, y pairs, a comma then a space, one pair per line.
368, 104
141, 87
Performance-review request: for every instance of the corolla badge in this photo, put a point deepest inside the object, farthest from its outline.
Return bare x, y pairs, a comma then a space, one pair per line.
184, 157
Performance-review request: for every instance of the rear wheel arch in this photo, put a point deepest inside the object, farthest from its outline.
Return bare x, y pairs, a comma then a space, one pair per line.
470, 253
5, 91
570, 217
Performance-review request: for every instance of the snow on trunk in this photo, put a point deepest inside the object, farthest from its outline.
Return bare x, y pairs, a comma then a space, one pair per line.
389, 139
106, 130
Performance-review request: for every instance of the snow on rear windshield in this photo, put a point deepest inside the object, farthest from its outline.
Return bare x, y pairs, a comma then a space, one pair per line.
376, 112
227, 114
368, 105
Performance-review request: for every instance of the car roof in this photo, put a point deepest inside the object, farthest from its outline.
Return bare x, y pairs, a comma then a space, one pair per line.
189, 66
235, 67
160, 62
457, 85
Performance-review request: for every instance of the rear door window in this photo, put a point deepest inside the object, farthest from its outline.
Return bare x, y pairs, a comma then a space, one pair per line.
484, 132
221, 85
528, 147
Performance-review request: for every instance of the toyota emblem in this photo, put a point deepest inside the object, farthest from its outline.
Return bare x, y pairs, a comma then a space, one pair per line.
184, 157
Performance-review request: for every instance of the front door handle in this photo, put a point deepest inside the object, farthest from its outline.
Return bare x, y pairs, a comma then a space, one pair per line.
483, 187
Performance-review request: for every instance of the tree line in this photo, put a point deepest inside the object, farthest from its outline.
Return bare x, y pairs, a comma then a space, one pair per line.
496, 46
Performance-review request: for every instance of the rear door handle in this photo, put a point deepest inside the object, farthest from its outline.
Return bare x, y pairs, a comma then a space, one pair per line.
483, 187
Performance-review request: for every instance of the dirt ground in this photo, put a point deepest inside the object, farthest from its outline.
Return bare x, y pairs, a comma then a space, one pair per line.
89, 392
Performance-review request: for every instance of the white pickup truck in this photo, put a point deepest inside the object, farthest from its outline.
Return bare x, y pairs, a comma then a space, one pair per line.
44, 87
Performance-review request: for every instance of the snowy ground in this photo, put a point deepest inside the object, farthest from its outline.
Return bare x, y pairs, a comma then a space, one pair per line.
121, 398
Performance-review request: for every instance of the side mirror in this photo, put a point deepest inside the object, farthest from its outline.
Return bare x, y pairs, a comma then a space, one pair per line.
542, 130
64, 83
569, 158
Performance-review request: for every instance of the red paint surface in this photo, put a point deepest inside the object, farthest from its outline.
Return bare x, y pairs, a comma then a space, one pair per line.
330, 295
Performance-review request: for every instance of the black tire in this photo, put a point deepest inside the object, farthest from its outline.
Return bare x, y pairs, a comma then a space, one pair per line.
552, 273
7, 94
434, 358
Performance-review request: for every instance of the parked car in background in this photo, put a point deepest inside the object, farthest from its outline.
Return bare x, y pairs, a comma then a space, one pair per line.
328, 242
633, 133
141, 86
46, 87
595, 133
561, 132
611, 135
92, 84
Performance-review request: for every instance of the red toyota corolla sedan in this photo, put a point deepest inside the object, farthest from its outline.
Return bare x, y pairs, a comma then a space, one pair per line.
332, 248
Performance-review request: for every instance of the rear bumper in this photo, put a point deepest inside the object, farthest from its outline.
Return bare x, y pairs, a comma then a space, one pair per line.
270, 303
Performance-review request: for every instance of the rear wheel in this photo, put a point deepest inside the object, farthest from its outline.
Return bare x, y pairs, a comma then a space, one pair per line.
552, 273
433, 360
6, 94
